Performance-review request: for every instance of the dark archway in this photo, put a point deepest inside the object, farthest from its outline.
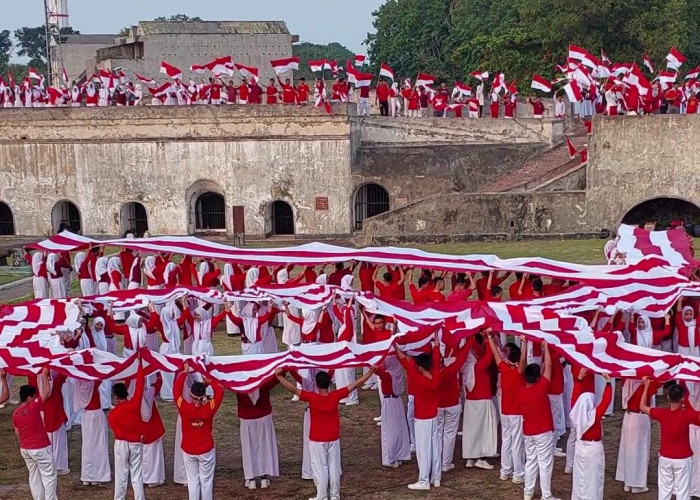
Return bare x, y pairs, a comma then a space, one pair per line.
210, 212
133, 218
281, 218
66, 216
7, 221
663, 211
370, 200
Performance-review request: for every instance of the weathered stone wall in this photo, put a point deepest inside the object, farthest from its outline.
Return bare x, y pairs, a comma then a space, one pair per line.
465, 216
102, 158
636, 158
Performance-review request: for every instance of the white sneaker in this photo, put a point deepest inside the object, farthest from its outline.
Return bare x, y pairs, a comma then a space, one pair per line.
627, 489
413, 448
377, 419
250, 484
518, 480
264, 483
295, 398
504, 477
395, 465
527, 497
448, 468
559, 453
557, 448
353, 402
551, 498
419, 486
638, 490
483, 464
568, 469
63, 472
436, 484
470, 463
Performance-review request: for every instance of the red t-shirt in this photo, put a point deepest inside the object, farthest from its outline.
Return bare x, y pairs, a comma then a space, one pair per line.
303, 92
215, 91
635, 399
243, 92
556, 384
580, 386
197, 421
595, 431
125, 419
675, 430
449, 381
383, 93
54, 413
535, 408
27, 420
482, 378
389, 290
424, 389
459, 295
364, 92
435, 296
324, 416
419, 296
365, 274
511, 384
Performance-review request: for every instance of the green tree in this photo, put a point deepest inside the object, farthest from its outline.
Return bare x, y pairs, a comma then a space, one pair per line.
306, 52
5, 50
178, 18
32, 44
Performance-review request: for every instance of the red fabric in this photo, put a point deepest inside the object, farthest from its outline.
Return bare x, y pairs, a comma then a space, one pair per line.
537, 107
54, 413
390, 291
459, 295
243, 92
511, 383
482, 378
364, 92
383, 93
440, 101
424, 389
509, 109
684, 332
494, 110
675, 430
535, 408
324, 416
215, 91
248, 410
635, 399
27, 420
153, 429
95, 402
197, 421
449, 388
556, 383
419, 296
125, 419
303, 92
289, 94
513, 290
271, 92
435, 296
365, 275
595, 432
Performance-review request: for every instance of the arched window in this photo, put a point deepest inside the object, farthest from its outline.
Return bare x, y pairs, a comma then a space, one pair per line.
65, 216
210, 212
370, 200
7, 222
663, 212
281, 218
133, 218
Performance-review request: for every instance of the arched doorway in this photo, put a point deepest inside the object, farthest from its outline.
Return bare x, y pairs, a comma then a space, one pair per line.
7, 221
65, 216
210, 212
663, 211
370, 200
281, 218
133, 218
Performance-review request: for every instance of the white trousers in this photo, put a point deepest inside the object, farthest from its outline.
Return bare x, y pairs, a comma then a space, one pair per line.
570, 447
179, 471
512, 446
479, 429
41, 287
128, 458
43, 479
539, 453
395, 106
87, 287
343, 378
326, 468
94, 456
589, 471
200, 475
306, 472
695, 472
556, 403
674, 478
153, 463
59, 448
410, 411
633, 454
447, 427
428, 450
395, 443
58, 288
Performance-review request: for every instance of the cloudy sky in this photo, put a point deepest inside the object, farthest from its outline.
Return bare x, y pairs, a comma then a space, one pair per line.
344, 21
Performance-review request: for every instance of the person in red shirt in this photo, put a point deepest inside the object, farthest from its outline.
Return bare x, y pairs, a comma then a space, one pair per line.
271, 92
94, 454
419, 294
55, 419
556, 401
460, 291
289, 93
243, 92
34, 444
324, 433
589, 459
538, 426
197, 417
635, 438
449, 407
128, 428
215, 90
480, 421
382, 97
537, 107
582, 383
391, 289
366, 274
423, 374
687, 330
676, 454
512, 442
303, 91
691, 107
231, 91
488, 280
336, 276
440, 102
363, 101
256, 92
414, 103
436, 295
395, 439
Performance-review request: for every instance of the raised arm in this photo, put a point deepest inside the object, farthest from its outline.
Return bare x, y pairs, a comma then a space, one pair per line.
523, 355
547, 373
494, 349
522, 284
286, 383
44, 385
643, 405
360, 381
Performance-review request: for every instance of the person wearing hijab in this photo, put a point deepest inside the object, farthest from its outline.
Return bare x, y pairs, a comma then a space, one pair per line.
203, 326
134, 273
83, 268
154, 278
115, 274
55, 273
94, 454
687, 331
134, 331
589, 457
251, 277
153, 460
170, 329
39, 275
102, 275
347, 314
227, 281
98, 340
254, 320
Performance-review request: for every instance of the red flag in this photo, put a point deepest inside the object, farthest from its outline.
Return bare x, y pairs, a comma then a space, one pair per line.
464, 90
572, 149
360, 60
674, 59
386, 71
540, 83
248, 71
317, 66
480, 75
171, 71
589, 126
648, 64
147, 81
283, 65
573, 92
34, 74
161, 91
425, 80
584, 155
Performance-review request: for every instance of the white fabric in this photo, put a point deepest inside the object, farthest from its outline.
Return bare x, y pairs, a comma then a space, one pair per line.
153, 463
645, 335
428, 451
583, 414
58, 288
344, 377
395, 443
512, 446
539, 453
674, 478
326, 468
556, 403
171, 331
589, 471
43, 478
251, 277
306, 472
59, 448
179, 472
633, 454
94, 454
200, 475
259, 448
40, 286
447, 427
128, 466
291, 331
201, 335
695, 470
410, 412
87, 287
479, 429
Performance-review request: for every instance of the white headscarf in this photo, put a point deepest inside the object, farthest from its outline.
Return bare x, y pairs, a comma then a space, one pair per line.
251, 277
202, 270
201, 343
583, 413
101, 267
226, 278
645, 336
51, 261
311, 317
689, 324
169, 268
322, 279
113, 264
78, 261
171, 330
149, 266
346, 282
136, 333
282, 277
98, 337
37, 259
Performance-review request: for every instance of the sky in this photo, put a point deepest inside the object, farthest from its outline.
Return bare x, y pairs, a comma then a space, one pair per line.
321, 21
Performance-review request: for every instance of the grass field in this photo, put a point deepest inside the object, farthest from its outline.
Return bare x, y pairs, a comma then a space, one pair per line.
363, 477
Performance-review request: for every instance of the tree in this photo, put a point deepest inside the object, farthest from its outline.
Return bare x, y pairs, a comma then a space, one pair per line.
178, 18
306, 52
32, 44
5, 50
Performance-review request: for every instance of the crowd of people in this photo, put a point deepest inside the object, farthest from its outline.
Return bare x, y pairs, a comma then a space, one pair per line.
491, 381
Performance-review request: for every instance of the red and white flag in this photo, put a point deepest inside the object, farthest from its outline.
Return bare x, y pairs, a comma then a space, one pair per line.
620, 69
499, 82
573, 91
108, 79
425, 80
317, 66
540, 83
604, 58
219, 66
161, 91
571, 148
590, 61
363, 79
170, 71
360, 60
637, 79
480, 75
34, 74
674, 59
122, 76
577, 53
648, 63
463, 89
693, 74
667, 78
386, 71
147, 81
249, 72
283, 65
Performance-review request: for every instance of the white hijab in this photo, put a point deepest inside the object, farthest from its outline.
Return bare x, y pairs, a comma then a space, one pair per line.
322, 279
201, 343
583, 413
311, 317
98, 337
645, 336
51, 261
346, 282
101, 267
171, 330
136, 333
113, 264
37, 259
78, 260
689, 324
169, 268
282, 277
149, 266
251, 277
226, 278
